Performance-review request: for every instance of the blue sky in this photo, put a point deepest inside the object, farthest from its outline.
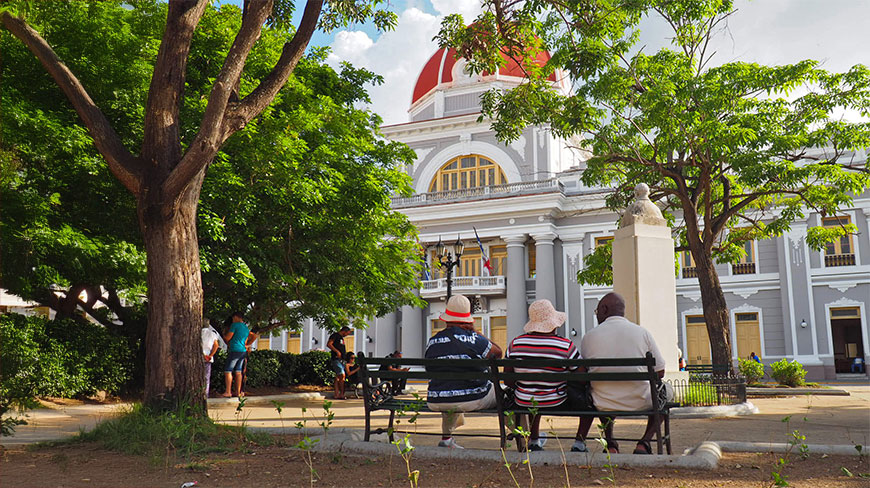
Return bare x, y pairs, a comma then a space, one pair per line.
763, 31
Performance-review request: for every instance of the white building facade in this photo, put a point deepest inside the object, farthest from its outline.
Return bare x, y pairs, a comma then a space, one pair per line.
536, 222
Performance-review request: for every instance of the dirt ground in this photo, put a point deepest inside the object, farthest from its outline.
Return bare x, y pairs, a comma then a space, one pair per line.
86, 465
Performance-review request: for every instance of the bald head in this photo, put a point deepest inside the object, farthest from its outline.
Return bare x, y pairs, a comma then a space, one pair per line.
610, 305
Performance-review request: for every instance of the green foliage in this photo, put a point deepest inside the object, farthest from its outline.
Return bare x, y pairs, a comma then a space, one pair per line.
597, 268
185, 433
751, 370
62, 358
737, 151
280, 369
295, 209
698, 394
788, 373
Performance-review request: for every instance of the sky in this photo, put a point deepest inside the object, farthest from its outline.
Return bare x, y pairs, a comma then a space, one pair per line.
763, 31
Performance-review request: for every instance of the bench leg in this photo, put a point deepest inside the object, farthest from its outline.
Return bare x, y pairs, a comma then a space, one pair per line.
390, 429
501, 431
368, 425
659, 434
668, 433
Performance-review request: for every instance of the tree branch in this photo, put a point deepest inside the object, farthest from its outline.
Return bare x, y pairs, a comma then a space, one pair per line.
161, 144
126, 168
212, 131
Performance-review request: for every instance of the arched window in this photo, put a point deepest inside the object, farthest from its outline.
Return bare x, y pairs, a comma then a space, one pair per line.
467, 172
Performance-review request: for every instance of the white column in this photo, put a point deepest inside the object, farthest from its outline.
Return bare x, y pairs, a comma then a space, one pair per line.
572, 259
413, 328
545, 269
517, 311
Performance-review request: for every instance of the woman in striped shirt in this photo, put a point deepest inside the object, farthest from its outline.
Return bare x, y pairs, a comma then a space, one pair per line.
540, 341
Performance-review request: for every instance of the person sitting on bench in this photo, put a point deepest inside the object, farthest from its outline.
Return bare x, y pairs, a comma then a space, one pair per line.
397, 386
540, 341
617, 337
458, 341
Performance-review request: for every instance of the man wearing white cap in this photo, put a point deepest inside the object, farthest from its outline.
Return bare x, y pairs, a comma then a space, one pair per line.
458, 341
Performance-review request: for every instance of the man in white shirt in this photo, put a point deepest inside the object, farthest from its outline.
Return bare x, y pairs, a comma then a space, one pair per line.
210, 346
618, 337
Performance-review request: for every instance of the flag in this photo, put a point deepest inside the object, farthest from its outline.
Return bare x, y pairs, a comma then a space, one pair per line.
483, 258
426, 275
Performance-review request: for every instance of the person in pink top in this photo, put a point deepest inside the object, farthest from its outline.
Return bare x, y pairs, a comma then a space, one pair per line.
617, 337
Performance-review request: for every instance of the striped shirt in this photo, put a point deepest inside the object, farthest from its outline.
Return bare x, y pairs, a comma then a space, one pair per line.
541, 346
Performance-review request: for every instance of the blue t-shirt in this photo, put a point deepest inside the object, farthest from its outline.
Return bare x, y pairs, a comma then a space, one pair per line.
457, 343
240, 335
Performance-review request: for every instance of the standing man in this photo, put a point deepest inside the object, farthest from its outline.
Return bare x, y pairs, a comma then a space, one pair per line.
458, 341
210, 346
337, 354
237, 341
617, 337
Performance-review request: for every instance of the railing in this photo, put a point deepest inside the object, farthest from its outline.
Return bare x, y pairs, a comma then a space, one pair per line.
480, 193
839, 260
690, 272
743, 268
703, 390
480, 285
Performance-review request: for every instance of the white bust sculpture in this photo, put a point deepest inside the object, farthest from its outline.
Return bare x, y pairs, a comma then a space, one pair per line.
642, 211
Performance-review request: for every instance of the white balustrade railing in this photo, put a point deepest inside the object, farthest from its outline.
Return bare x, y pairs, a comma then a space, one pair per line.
462, 284
548, 185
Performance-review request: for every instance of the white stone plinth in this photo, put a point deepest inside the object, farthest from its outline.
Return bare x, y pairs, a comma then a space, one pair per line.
644, 274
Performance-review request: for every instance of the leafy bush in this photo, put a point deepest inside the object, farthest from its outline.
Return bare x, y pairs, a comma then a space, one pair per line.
698, 394
65, 358
751, 370
280, 369
788, 373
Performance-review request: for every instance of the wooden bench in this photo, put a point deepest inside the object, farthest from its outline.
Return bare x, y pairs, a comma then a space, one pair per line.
377, 396
710, 369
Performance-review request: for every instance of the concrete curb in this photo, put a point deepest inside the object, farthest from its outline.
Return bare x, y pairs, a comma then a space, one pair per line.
841, 450
769, 392
254, 400
746, 408
705, 456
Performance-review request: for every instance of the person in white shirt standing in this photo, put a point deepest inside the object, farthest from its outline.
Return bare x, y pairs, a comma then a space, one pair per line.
617, 337
210, 346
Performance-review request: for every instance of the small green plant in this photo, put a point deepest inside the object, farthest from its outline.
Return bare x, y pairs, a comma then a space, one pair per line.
306, 444
279, 407
788, 373
602, 440
552, 432
753, 371
797, 441
406, 451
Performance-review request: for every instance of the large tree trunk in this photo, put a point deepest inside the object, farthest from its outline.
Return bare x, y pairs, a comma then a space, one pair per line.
715, 309
174, 373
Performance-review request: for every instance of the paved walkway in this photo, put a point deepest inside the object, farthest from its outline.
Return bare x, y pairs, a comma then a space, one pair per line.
832, 420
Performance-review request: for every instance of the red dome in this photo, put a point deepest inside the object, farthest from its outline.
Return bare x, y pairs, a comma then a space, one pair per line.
439, 69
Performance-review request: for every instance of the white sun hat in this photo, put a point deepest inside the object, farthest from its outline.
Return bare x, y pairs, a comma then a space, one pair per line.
543, 317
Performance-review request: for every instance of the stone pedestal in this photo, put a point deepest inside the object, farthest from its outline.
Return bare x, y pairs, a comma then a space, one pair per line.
644, 274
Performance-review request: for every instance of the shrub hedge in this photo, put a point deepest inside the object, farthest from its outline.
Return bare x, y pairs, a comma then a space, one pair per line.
788, 373
276, 368
64, 358
752, 370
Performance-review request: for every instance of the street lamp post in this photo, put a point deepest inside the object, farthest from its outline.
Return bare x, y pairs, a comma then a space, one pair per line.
449, 259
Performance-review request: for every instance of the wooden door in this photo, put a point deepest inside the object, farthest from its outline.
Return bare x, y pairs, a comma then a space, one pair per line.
748, 336
294, 343
697, 341
498, 331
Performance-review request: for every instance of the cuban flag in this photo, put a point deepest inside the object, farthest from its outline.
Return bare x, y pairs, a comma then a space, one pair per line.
487, 266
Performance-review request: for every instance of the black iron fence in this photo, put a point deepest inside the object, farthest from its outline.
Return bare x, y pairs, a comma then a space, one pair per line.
702, 390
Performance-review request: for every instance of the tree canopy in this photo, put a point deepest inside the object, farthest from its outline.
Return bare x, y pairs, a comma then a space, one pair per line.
295, 210
734, 152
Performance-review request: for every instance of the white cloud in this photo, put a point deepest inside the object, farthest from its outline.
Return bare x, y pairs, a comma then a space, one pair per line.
398, 55
768, 32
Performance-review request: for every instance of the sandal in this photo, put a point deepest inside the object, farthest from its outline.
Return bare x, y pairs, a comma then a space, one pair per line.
647, 448
612, 447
